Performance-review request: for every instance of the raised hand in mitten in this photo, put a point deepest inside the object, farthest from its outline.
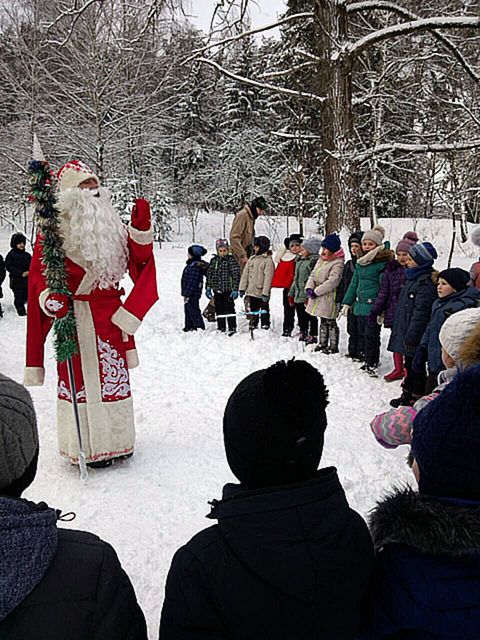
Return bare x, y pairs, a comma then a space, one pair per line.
141, 217
57, 304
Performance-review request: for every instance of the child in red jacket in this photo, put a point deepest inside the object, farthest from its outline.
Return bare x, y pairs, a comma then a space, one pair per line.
283, 278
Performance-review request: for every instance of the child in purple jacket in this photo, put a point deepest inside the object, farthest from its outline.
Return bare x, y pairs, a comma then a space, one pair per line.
387, 297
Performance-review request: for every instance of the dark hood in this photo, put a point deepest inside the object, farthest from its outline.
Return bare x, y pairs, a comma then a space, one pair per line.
28, 543
16, 239
290, 537
433, 526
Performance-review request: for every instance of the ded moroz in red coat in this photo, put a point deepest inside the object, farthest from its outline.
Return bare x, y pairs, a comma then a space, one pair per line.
105, 328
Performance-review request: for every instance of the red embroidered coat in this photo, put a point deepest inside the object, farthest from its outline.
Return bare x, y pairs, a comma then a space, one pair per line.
105, 330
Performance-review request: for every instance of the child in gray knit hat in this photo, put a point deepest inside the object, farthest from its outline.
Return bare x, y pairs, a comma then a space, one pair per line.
54, 582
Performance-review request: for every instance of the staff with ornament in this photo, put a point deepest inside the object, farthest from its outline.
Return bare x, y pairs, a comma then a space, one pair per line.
82, 252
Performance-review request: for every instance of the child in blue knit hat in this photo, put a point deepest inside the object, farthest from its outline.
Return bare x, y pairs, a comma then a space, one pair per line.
192, 284
412, 316
426, 580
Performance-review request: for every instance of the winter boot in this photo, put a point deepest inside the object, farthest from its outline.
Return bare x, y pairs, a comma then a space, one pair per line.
334, 336
407, 399
310, 339
302, 336
371, 371
398, 372
287, 334
323, 337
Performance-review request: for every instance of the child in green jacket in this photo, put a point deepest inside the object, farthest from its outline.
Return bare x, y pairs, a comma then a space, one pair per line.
297, 296
363, 290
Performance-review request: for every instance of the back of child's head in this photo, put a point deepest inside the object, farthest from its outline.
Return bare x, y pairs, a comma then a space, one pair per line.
263, 243
274, 425
458, 336
196, 251
446, 439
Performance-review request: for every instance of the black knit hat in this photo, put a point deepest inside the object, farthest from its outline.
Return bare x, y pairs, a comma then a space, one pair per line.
446, 439
456, 278
274, 424
356, 236
263, 242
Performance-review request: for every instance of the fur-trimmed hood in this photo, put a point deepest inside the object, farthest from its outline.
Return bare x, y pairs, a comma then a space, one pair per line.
432, 526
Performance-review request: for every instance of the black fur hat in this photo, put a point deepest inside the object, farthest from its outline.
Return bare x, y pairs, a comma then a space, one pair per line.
294, 237
274, 424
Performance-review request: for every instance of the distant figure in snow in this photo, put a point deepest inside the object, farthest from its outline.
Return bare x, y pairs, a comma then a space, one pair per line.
56, 584
475, 268
256, 281
321, 290
192, 285
288, 558
223, 279
17, 263
242, 232
3, 273
283, 277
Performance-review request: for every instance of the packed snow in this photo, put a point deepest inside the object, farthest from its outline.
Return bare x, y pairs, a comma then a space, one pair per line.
148, 506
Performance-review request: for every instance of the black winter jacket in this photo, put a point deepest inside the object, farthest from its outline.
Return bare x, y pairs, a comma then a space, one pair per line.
16, 263
347, 276
59, 584
223, 274
285, 563
3, 273
412, 313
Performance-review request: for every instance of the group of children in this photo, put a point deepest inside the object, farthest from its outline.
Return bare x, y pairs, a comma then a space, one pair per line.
400, 290
17, 264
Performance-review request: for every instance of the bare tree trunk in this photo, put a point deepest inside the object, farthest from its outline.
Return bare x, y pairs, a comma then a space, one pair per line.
335, 82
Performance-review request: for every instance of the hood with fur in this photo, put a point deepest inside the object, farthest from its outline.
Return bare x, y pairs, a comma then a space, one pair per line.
431, 525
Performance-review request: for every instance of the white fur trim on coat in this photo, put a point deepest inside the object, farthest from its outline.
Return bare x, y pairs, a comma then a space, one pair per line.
126, 321
132, 359
33, 376
140, 237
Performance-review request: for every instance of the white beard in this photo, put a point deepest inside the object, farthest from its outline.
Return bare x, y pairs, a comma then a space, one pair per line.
94, 233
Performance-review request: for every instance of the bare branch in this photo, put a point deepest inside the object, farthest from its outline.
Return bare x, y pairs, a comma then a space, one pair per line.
245, 34
371, 5
423, 24
417, 148
261, 85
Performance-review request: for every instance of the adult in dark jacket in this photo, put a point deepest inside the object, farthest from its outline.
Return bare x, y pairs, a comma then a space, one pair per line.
223, 278
192, 286
355, 344
386, 301
17, 263
454, 295
288, 558
426, 584
412, 316
3, 273
55, 584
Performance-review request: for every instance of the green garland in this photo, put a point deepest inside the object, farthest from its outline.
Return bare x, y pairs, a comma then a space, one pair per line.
43, 197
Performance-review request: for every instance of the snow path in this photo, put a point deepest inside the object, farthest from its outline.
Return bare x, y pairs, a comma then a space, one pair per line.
148, 506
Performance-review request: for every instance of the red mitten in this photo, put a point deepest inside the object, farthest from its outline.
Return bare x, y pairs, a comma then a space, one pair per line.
57, 304
141, 218
291, 301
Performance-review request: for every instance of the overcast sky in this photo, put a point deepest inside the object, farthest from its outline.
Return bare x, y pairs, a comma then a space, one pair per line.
262, 11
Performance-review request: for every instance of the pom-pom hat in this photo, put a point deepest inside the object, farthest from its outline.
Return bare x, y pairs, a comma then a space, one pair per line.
73, 173
408, 240
274, 425
423, 253
376, 235
312, 245
332, 242
196, 250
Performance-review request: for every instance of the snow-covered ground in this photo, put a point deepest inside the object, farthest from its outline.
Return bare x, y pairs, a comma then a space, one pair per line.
148, 506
